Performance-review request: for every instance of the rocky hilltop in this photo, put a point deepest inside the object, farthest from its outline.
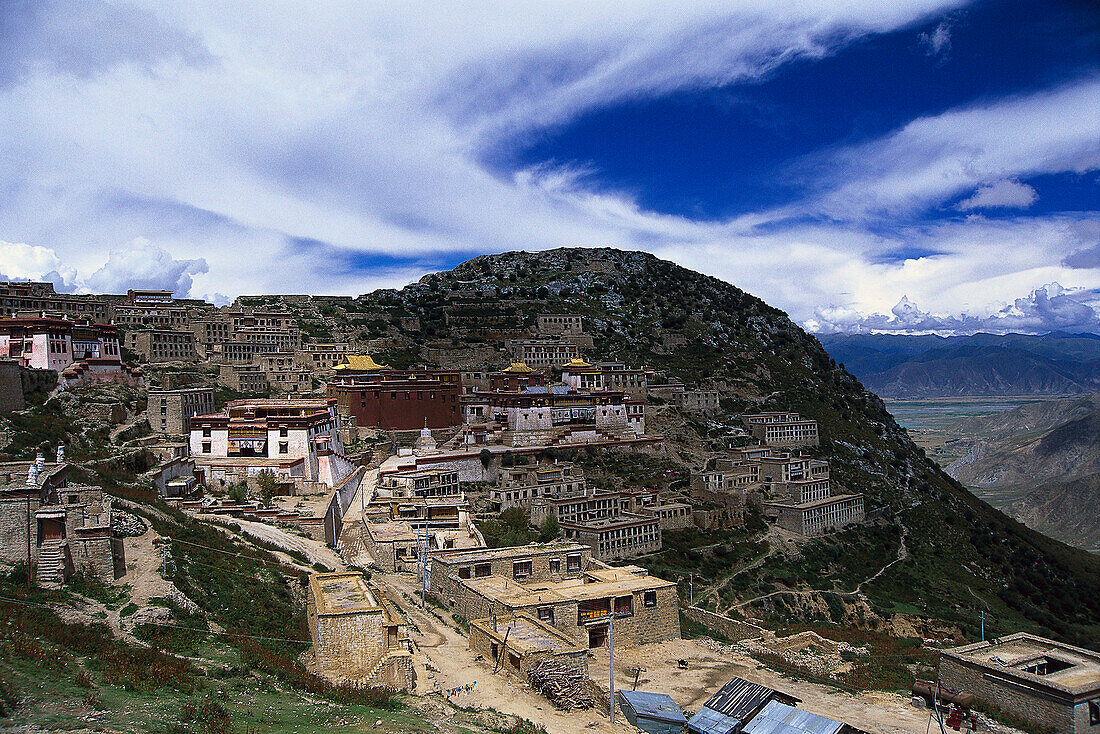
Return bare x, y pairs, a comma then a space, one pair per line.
1040, 463
961, 556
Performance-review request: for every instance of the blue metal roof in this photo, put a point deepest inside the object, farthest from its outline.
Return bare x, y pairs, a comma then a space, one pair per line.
779, 718
654, 706
709, 721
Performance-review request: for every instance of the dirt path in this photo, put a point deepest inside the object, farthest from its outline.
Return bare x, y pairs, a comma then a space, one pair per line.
314, 550
707, 671
903, 553
443, 653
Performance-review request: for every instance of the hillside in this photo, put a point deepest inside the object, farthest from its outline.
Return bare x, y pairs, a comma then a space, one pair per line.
638, 309
1039, 463
909, 367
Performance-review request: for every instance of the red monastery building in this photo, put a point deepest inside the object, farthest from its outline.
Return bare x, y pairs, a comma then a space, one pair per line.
402, 400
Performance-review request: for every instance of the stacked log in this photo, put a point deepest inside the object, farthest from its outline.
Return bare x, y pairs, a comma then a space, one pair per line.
564, 686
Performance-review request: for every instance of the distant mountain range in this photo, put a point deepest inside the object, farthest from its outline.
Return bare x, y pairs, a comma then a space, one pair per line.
1039, 463
913, 367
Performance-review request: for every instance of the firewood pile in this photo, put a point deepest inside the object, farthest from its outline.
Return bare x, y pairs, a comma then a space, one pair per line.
565, 687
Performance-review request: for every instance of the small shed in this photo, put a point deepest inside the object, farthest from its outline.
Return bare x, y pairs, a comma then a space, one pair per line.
779, 718
734, 704
655, 713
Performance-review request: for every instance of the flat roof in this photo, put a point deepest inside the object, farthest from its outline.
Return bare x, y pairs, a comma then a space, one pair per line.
594, 584
815, 503
519, 551
1011, 655
526, 634
659, 706
342, 593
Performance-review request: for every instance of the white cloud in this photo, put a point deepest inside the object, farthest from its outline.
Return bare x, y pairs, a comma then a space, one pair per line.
1001, 194
20, 261
1048, 308
339, 151
141, 264
938, 42
932, 159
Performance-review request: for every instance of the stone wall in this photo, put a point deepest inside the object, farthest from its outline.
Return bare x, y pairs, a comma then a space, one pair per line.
1030, 704
346, 646
18, 530
94, 556
731, 629
11, 387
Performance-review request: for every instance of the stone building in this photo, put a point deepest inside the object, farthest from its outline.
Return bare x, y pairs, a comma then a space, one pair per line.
782, 429
542, 354
283, 373
521, 485
321, 357
402, 400
555, 324
819, 516
624, 535
54, 344
396, 534
17, 297
358, 638
162, 345
170, 411
646, 608
1049, 684
533, 563
613, 376
150, 316
519, 643
244, 378
418, 484
55, 527
298, 440
698, 401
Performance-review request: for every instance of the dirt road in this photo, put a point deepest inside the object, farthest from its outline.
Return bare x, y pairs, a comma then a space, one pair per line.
443, 647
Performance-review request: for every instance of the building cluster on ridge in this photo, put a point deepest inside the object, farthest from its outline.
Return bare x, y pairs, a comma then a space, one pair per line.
454, 446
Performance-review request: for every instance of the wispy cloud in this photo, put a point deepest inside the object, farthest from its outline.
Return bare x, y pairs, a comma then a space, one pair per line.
1012, 194
267, 149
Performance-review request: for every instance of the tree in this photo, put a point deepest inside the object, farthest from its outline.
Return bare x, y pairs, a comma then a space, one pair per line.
549, 529
266, 481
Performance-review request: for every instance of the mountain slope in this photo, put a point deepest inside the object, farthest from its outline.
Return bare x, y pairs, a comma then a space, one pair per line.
963, 556
1041, 464
908, 367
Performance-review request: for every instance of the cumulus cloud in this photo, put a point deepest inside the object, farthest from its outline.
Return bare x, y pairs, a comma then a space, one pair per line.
20, 261
1001, 194
1047, 308
141, 264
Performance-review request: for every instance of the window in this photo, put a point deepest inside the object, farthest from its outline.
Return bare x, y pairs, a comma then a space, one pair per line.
546, 614
206, 432
521, 569
1094, 712
206, 447
482, 570
624, 606
573, 563
650, 599
284, 447
555, 566
464, 573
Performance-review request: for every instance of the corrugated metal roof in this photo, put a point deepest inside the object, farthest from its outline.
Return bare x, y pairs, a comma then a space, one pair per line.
709, 721
654, 706
741, 698
779, 718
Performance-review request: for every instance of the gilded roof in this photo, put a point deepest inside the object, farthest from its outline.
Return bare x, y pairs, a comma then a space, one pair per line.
520, 367
360, 363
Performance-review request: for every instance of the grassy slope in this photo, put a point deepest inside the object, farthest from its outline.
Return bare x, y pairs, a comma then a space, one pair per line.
964, 555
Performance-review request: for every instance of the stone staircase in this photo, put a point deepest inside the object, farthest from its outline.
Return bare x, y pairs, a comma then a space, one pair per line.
51, 564
352, 547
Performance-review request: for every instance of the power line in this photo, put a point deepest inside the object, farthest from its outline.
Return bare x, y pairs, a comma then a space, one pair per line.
176, 626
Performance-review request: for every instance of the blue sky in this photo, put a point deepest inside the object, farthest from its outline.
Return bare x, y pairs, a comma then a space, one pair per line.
830, 157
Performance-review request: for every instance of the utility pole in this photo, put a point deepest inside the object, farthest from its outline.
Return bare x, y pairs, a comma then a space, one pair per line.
983, 625
611, 652
691, 589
